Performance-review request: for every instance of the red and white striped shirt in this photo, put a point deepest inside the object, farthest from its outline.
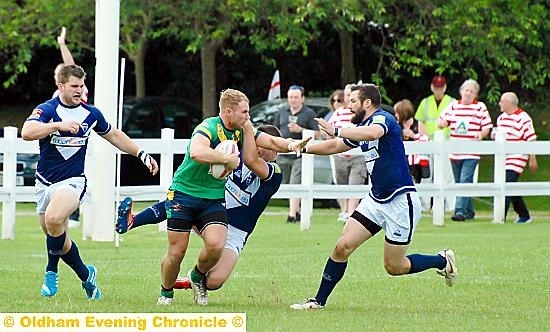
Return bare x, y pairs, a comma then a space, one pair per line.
518, 127
341, 118
466, 123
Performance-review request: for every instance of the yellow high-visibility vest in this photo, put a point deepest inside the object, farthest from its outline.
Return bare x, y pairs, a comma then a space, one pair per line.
428, 112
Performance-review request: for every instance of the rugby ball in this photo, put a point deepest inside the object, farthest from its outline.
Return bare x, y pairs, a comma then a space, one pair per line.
218, 171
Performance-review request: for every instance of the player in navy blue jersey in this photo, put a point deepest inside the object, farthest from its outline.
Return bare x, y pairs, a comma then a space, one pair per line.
247, 192
392, 203
63, 126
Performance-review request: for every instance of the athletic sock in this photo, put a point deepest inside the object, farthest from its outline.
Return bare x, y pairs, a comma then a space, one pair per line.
420, 262
150, 216
54, 245
166, 292
196, 275
332, 274
72, 258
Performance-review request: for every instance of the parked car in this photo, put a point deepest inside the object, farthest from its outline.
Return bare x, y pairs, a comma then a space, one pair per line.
266, 112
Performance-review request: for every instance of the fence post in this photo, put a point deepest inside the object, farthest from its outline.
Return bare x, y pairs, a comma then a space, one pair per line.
438, 208
166, 165
307, 180
9, 183
499, 177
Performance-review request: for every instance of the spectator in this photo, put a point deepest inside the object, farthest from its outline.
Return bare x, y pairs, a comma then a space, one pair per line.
413, 130
468, 119
347, 168
428, 112
518, 126
292, 122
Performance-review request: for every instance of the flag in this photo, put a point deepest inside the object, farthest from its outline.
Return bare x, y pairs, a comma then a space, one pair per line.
275, 88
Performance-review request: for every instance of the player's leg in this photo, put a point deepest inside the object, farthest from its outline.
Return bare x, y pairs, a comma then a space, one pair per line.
234, 245
402, 215
178, 240
126, 220
212, 226
54, 205
357, 230
218, 275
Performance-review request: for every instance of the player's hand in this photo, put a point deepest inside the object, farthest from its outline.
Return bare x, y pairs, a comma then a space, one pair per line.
61, 37
297, 146
325, 127
69, 126
233, 161
148, 161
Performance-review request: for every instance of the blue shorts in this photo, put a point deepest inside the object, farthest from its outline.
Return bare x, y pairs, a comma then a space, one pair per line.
184, 211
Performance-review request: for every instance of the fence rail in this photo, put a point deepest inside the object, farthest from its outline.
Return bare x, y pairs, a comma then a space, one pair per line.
167, 146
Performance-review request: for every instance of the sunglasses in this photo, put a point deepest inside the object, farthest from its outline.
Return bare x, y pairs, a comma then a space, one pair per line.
336, 101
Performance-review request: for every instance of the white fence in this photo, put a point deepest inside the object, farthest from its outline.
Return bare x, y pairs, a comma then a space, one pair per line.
167, 146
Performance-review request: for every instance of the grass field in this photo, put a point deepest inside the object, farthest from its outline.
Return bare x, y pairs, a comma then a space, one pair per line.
504, 281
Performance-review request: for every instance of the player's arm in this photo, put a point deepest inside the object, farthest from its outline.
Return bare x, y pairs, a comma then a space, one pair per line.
363, 133
280, 144
33, 130
201, 152
250, 152
327, 147
65, 53
124, 143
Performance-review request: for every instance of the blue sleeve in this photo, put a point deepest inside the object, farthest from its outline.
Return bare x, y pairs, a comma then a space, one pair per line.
102, 127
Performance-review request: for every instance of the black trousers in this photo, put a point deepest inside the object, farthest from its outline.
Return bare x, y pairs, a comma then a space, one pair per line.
517, 201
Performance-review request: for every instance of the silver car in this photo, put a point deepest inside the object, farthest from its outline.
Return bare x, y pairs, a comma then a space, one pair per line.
267, 112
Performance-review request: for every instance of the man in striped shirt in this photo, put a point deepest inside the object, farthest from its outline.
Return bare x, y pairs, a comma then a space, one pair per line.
518, 126
468, 119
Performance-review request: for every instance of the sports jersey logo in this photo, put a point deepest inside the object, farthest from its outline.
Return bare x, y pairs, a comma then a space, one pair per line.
84, 127
240, 196
371, 154
36, 113
379, 119
68, 141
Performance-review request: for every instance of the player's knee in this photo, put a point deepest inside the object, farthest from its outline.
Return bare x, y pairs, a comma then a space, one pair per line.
393, 269
214, 282
341, 251
53, 219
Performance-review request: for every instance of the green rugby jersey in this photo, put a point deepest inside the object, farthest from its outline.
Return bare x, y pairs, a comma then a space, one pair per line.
193, 178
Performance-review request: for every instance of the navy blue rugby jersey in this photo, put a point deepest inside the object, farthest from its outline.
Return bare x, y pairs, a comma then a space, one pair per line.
62, 154
246, 195
385, 158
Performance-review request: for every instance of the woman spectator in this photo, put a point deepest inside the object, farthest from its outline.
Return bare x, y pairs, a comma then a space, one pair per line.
413, 130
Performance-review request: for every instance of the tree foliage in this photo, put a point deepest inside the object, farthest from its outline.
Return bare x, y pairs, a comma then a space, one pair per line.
504, 44
499, 43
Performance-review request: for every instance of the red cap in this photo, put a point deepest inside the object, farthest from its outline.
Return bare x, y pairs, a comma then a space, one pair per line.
439, 81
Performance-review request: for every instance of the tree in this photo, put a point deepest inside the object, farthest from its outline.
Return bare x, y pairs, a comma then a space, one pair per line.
499, 43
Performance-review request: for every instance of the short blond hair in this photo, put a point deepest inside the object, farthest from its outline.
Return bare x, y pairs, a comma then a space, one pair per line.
230, 98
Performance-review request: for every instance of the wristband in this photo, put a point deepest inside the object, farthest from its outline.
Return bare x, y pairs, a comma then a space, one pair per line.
336, 132
145, 158
304, 149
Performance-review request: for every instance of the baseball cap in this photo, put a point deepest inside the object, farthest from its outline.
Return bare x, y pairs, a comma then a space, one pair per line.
439, 81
